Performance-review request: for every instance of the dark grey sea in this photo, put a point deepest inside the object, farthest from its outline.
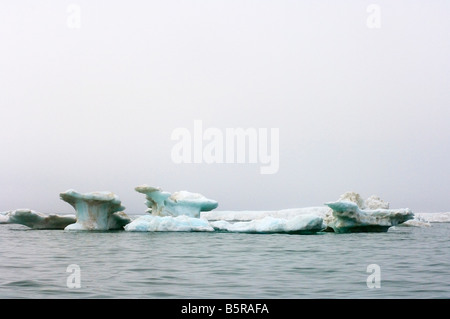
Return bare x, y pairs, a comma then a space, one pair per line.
405, 262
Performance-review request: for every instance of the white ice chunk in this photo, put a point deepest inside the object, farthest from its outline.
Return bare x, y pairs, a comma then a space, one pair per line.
96, 210
151, 223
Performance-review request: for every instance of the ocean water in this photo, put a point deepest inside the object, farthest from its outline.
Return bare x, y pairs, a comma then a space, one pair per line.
414, 262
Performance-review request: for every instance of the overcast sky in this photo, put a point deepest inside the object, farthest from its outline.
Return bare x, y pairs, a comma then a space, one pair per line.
91, 92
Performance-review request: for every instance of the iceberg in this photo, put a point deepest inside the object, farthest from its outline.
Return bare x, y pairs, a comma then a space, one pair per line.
36, 220
300, 224
96, 210
151, 223
347, 217
182, 203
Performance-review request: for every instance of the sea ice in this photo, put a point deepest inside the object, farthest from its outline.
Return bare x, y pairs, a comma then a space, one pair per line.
347, 217
300, 224
96, 210
38, 220
247, 215
417, 221
151, 223
184, 203
427, 219
443, 217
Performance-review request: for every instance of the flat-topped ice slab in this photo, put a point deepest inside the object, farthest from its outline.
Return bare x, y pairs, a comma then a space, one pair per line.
438, 217
37, 220
248, 215
151, 223
300, 224
96, 210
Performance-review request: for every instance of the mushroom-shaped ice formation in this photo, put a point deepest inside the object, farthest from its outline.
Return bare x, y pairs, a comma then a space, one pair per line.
36, 220
348, 217
96, 210
155, 198
185, 203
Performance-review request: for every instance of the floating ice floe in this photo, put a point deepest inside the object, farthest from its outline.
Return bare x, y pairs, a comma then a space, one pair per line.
305, 220
96, 210
300, 224
151, 223
180, 203
349, 214
37, 220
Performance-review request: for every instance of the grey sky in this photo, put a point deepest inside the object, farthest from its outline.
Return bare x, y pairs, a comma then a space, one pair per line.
93, 108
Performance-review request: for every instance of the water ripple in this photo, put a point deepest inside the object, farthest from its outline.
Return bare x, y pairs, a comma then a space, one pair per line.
413, 262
